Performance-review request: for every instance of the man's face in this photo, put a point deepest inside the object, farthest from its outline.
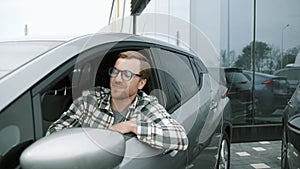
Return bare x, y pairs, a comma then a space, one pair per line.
122, 89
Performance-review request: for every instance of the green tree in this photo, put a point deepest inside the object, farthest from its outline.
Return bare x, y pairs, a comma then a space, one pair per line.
262, 51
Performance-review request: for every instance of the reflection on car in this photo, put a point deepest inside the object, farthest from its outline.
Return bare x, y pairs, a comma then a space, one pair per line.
270, 91
37, 92
15, 53
239, 92
290, 149
292, 74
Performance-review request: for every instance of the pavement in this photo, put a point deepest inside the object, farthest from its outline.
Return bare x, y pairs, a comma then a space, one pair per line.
256, 155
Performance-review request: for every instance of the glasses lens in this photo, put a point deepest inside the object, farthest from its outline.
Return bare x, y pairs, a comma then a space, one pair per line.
113, 72
127, 75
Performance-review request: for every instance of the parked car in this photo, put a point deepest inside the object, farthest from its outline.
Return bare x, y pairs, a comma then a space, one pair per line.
271, 92
239, 92
36, 93
292, 74
290, 149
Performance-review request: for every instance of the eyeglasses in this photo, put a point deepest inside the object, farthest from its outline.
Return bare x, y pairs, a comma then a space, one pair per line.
125, 74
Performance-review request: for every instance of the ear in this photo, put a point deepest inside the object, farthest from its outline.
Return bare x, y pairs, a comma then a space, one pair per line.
142, 83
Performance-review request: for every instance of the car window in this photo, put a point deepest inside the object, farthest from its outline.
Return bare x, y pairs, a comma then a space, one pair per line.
82, 74
66, 83
179, 76
236, 77
199, 69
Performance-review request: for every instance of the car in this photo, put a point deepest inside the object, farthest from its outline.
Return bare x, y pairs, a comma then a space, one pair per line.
292, 74
240, 94
271, 92
37, 92
290, 149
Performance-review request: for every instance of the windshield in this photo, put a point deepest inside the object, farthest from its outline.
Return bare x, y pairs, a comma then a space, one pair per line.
16, 53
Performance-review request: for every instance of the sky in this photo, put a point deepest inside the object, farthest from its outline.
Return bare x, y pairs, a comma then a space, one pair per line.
52, 17
77, 17
271, 17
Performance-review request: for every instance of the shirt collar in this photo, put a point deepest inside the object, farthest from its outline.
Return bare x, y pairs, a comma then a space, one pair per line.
104, 103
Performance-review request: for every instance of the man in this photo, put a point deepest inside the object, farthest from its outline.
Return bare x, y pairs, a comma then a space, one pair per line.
125, 108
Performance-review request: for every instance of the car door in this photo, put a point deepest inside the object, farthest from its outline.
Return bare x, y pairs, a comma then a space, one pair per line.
189, 101
292, 131
16, 130
54, 94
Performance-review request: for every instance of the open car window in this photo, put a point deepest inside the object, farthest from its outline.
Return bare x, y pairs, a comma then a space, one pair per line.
57, 92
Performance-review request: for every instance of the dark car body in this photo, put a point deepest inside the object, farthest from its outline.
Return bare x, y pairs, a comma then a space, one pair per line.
36, 93
290, 151
239, 92
271, 92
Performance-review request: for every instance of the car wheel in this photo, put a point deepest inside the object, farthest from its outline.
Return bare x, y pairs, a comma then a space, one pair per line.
284, 163
224, 153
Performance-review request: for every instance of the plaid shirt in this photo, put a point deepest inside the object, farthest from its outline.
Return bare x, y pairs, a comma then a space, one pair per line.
155, 125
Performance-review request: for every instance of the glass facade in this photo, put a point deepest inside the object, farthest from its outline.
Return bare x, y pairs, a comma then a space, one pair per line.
275, 28
257, 37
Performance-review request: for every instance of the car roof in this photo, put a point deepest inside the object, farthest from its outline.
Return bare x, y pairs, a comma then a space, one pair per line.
44, 64
260, 74
286, 69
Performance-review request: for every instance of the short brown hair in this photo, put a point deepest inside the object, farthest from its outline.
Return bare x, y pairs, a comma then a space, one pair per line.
145, 65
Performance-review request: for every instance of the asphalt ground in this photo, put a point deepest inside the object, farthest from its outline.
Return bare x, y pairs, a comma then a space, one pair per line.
256, 155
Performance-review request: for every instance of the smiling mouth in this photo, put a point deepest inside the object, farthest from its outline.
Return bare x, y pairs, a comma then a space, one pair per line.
118, 86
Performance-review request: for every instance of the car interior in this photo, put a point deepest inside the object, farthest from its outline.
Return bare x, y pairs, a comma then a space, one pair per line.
89, 73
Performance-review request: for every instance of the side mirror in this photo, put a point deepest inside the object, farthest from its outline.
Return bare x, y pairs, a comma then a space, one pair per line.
81, 148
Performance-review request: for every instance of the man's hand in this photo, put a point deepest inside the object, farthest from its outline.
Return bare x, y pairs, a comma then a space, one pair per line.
125, 127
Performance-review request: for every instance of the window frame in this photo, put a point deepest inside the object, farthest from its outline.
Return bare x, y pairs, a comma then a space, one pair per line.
64, 69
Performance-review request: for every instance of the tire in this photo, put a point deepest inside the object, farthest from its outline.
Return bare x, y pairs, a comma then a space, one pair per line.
224, 153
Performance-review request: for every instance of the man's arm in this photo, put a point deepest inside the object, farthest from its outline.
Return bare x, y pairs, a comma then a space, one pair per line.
160, 130
125, 127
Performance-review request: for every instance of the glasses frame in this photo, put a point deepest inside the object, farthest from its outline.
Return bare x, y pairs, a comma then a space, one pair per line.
124, 77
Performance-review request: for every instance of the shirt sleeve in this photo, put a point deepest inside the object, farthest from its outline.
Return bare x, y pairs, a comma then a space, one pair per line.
160, 130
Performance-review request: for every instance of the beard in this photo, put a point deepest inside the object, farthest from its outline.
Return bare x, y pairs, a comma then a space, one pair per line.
121, 92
